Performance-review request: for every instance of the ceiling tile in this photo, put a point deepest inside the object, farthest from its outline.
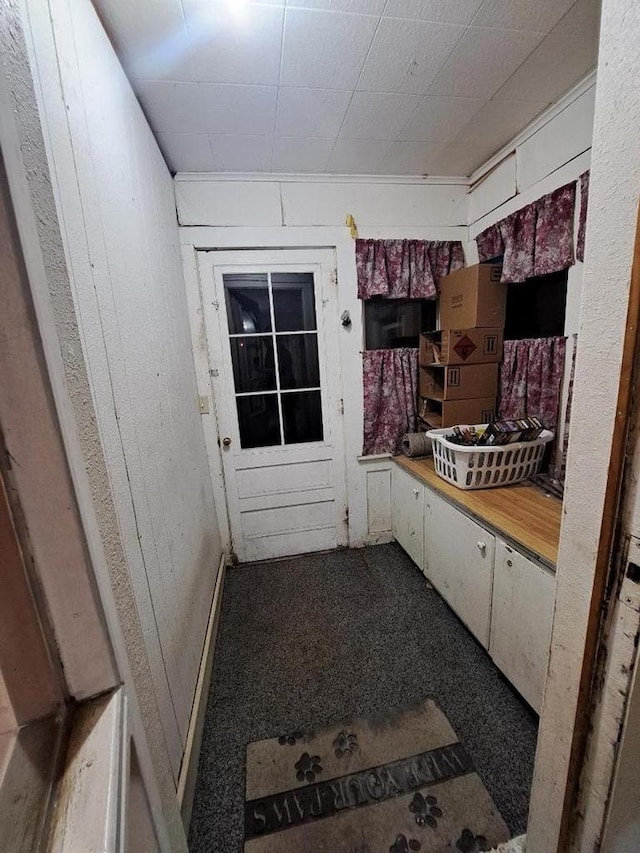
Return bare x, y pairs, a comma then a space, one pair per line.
406, 55
293, 154
482, 61
241, 153
311, 112
409, 158
438, 119
151, 38
496, 124
458, 159
374, 115
540, 16
324, 50
357, 156
447, 11
362, 7
228, 49
186, 152
566, 55
208, 107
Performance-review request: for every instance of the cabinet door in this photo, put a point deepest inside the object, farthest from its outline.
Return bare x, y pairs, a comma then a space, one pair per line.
523, 602
459, 559
407, 513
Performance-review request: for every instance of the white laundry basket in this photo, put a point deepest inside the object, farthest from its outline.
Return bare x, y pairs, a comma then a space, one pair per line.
486, 467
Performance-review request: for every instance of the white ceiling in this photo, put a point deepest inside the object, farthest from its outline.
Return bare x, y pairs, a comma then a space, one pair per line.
394, 87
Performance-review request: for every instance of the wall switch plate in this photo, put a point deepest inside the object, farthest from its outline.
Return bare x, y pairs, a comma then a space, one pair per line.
204, 405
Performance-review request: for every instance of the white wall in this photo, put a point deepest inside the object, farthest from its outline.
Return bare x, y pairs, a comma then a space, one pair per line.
223, 212
115, 203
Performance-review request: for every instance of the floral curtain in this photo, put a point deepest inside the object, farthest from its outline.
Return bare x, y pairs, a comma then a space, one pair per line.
405, 269
390, 398
531, 379
535, 240
582, 226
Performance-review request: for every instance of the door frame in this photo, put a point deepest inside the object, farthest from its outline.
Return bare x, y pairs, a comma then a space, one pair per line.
322, 262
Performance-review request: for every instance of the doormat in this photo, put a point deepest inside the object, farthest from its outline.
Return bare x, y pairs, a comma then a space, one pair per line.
389, 783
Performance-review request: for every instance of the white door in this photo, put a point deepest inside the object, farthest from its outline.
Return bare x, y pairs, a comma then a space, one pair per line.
521, 620
459, 563
407, 514
272, 322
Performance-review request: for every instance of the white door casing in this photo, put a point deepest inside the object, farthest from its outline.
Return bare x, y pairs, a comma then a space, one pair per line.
282, 499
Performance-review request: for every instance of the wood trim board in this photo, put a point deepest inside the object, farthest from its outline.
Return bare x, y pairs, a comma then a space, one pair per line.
521, 513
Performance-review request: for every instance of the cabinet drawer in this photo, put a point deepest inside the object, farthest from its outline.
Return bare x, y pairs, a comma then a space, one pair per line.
407, 514
521, 621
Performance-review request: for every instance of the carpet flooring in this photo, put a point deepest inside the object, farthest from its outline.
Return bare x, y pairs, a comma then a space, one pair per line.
306, 641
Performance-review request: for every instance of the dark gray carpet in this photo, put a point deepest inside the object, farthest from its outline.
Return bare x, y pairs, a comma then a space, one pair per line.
311, 640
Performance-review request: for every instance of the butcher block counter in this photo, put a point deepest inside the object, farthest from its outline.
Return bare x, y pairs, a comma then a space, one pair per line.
522, 513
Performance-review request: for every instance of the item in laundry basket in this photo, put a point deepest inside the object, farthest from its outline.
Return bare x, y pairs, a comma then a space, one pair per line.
465, 436
416, 444
499, 433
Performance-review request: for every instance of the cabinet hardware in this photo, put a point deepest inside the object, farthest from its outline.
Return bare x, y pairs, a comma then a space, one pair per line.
416, 492
482, 546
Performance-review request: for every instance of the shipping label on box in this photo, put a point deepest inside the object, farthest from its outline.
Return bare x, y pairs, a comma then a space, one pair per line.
473, 297
461, 346
452, 382
437, 414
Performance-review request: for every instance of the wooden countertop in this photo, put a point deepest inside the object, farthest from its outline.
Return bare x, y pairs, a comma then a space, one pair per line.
521, 512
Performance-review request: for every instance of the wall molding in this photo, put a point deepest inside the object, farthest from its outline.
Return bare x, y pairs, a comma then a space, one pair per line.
314, 178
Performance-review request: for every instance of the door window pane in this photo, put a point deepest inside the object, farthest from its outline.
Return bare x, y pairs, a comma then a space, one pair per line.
259, 420
298, 361
302, 414
253, 366
293, 301
247, 297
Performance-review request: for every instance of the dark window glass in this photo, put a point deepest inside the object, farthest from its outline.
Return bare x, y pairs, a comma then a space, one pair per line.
253, 366
298, 361
293, 301
259, 420
393, 323
247, 296
302, 415
536, 308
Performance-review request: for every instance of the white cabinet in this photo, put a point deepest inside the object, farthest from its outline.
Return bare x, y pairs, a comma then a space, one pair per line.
521, 619
459, 560
407, 513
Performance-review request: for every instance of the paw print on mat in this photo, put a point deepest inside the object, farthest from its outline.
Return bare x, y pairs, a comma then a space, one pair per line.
426, 810
402, 845
470, 843
308, 767
345, 744
289, 740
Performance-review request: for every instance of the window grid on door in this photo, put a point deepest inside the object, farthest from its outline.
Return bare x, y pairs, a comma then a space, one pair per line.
298, 405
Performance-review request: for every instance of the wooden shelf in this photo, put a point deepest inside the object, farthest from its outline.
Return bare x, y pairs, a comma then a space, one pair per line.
521, 513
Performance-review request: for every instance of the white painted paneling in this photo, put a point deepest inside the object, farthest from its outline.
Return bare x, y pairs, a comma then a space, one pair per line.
567, 135
115, 199
228, 203
372, 204
499, 186
255, 481
378, 500
407, 514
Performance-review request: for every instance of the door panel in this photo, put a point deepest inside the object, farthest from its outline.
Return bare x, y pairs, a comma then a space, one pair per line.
407, 514
460, 557
521, 620
271, 320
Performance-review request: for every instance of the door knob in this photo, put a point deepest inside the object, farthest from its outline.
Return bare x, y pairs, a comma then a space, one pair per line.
226, 441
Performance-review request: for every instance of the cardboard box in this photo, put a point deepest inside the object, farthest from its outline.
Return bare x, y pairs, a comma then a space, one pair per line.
461, 346
436, 414
473, 297
453, 382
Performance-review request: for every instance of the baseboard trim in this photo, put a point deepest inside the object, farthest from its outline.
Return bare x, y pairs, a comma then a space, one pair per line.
189, 767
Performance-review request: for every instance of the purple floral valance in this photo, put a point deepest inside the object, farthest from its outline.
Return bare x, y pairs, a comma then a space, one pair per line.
390, 378
535, 240
582, 225
405, 269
